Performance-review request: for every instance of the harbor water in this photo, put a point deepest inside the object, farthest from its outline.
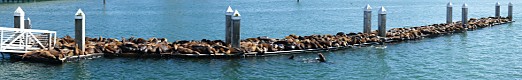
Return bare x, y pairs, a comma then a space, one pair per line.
488, 53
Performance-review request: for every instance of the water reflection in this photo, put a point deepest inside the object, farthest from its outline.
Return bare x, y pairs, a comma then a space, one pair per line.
230, 70
80, 70
384, 68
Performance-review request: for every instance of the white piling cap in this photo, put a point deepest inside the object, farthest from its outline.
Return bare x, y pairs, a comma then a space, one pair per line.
498, 4
236, 14
229, 11
79, 14
465, 5
382, 10
368, 8
19, 12
510, 4
450, 4
29, 19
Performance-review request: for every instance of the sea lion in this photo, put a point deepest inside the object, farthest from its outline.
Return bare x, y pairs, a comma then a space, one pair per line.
183, 50
202, 49
90, 50
291, 57
164, 47
76, 51
139, 41
29, 54
321, 57
47, 54
68, 39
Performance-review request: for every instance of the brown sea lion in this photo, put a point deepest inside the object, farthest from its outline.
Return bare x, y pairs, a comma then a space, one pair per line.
183, 50
321, 57
29, 54
90, 50
47, 54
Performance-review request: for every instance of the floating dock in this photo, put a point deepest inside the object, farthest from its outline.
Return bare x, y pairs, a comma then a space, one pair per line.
42, 46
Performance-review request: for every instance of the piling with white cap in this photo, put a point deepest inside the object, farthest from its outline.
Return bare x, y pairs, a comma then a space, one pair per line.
382, 22
465, 15
449, 13
510, 11
367, 19
27, 24
19, 18
228, 27
497, 10
79, 21
236, 29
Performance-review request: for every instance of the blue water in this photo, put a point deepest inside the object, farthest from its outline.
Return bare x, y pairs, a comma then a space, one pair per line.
489, 53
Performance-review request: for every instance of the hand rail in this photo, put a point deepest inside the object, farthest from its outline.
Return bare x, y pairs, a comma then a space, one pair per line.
25, 40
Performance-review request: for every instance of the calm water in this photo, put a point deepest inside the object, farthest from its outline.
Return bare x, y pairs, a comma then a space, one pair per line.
489, 53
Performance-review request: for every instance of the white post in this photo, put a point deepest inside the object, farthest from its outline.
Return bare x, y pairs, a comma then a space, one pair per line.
80, 30
449, 13
228, 27
367, 19
382, 22
236, 29
465, 15
510, 11
19, 18
497, 10
49, 41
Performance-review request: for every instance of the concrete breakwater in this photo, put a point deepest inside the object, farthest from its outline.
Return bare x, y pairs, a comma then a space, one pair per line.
260, 46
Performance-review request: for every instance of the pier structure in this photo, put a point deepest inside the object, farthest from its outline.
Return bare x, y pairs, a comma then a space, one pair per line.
22, 39
259, 46
465, 15
19, 16
228, 25
449, 13
27, 23
510, 11
382, 22
367, 19
236, 30
497, 10
79, 28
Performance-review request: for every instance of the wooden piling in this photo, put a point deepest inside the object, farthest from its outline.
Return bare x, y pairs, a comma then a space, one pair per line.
497, 10
80, 30
228, 26
382, 22
510, 11
19, 18
465, 15
236, 31
367, 19
27, 24
449, 13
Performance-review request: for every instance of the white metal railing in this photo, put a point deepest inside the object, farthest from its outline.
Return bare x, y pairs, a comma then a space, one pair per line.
15, 40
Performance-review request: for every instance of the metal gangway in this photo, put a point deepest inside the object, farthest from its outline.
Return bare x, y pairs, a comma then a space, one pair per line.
16, 40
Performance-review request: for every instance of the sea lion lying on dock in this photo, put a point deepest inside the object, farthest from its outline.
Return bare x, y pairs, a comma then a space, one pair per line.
261, 44
44, 54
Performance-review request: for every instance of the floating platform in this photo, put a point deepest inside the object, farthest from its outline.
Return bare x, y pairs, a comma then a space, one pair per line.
281, 51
